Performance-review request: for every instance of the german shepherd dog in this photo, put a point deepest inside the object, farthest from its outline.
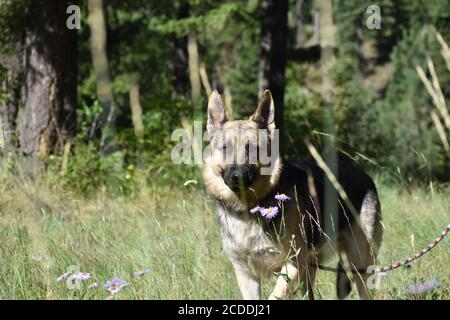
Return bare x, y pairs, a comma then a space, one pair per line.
289, 239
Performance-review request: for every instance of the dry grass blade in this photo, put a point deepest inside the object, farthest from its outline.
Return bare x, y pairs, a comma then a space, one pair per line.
434, 90
437, 87
445, 49
337, 186
436, 95
326, 169
441, 131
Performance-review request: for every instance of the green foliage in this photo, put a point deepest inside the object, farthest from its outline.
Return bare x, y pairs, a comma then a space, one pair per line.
147, 40
413, 142
214, 20
303, 114
242, 72
3, 95
393, 128
12, 22
88, 172
132, 199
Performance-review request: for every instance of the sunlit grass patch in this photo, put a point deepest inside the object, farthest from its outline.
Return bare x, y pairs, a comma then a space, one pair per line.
173, 234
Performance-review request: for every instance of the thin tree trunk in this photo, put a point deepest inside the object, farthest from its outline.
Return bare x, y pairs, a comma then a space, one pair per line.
205, 80
105, 95
179, 59
328, 45
194, 70
220, 83
273, 53
136, 110
327, 61
299, 24
315, 12
50, 68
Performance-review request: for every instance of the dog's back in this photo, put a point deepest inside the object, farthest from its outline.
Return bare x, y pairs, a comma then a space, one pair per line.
357, 221
355, 182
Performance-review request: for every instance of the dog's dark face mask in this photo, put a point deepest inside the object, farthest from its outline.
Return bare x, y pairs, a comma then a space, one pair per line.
238, 145
239, 177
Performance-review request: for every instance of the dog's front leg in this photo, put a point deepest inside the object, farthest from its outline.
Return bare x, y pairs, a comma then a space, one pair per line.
281, 291
248, 283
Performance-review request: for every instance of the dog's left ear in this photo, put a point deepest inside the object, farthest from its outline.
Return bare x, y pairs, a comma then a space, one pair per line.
217, 112
264, 115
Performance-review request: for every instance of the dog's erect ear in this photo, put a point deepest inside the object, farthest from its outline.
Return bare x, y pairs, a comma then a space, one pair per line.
265, 113
217, 112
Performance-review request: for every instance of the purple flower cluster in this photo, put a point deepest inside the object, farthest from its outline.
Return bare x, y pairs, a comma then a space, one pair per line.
270, 212
81, 276
139, 274
63, 277
256, 209
113, 286
282, 197
422, 288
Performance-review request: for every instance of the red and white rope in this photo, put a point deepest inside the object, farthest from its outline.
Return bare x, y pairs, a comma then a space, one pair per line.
406, 261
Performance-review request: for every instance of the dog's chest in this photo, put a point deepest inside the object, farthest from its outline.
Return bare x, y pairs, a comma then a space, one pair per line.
246, 242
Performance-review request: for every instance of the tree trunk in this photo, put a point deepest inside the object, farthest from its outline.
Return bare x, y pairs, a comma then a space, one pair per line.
327, 61
97, 24
328, 45
179, 59
205, 80
136, 110
220, 83
315, 39
194, 71
50, 79
273, 53
299, 40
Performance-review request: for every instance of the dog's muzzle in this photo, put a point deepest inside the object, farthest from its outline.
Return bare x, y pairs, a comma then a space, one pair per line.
239, 177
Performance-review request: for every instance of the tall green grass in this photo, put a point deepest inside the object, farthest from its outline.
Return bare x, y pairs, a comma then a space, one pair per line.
173, 231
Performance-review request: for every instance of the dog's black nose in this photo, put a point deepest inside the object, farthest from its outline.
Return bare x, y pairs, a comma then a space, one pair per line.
236, 177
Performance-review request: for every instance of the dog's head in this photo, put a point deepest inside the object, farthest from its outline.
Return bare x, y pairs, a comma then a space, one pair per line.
243, 162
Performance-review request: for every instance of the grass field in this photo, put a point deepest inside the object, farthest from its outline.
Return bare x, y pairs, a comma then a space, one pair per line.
44, 231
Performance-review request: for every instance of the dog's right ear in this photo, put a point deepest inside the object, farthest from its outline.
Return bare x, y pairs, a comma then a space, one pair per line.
264, 115
217, 112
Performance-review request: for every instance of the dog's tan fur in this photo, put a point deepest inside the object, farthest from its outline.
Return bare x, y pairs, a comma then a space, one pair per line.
215, 163
254, 250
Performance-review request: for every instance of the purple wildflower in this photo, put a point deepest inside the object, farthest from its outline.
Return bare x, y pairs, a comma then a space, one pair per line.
63, 277
115, 285
269, 213
256, 209
282, 197
81, 276
139, 274
422, 288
